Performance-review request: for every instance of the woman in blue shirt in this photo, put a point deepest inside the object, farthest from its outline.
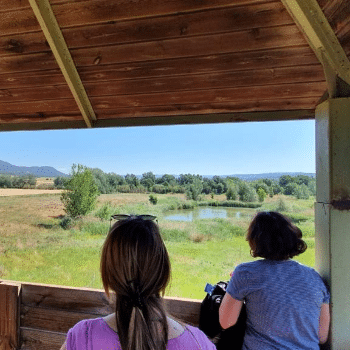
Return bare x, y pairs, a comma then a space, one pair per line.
287, 302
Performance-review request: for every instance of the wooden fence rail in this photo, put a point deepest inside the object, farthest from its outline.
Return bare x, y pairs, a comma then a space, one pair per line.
38, 316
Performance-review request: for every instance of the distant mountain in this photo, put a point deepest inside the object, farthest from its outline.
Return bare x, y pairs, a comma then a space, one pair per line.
274, 176
252, 177
38, 171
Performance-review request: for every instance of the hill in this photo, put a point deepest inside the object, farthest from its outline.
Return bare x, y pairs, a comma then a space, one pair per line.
38, 171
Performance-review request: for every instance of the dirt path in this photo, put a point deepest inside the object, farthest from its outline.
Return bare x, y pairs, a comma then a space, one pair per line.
6, 192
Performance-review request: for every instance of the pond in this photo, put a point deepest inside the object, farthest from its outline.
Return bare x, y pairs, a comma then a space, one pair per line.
209, 213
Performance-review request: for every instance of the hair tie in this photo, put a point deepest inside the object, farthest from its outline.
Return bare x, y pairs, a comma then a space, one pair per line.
135, 296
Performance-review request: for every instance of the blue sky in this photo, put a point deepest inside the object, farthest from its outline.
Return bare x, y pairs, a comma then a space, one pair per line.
208, 149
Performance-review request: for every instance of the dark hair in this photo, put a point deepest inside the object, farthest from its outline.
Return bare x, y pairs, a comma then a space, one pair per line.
136, 266
273, 236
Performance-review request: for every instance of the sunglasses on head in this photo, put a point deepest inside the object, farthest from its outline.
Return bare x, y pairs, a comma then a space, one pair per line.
127, 216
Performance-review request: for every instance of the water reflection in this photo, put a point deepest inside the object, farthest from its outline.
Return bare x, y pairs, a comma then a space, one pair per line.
208, 213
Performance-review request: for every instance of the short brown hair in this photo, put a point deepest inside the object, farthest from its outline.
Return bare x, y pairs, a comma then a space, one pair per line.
135, 262
273, 236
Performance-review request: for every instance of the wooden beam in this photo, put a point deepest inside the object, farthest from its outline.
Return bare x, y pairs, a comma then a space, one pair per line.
9, 315
167, 120
318, 32
54, 37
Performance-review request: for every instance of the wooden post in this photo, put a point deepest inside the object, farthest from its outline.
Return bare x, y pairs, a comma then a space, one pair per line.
9, 315
332, 212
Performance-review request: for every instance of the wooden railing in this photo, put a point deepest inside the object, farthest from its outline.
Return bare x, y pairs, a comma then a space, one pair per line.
37, 316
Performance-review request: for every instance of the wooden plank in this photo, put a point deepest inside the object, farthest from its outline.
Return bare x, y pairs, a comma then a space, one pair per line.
184, 113
259, 39
303, 74
11, 5
80, 13
248, 40
253, 93
43, 64
22, 81
337, 14
320, 35
92, 301
240, 115
34, 339
260, 77
158, 28
61, 321
40, 117
9, 315
187, 310
53, 34
52, 319
90, 12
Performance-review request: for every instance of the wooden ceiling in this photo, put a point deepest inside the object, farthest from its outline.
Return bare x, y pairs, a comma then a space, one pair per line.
153, 62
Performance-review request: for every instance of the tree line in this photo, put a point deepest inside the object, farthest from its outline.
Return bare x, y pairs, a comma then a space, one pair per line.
13, 181
194, 186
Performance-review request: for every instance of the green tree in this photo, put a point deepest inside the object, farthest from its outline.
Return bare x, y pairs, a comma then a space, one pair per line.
148, 180
59, 182
231, 193
80, 193
246, 192
261, 194
301, 192
285, 179
194, 190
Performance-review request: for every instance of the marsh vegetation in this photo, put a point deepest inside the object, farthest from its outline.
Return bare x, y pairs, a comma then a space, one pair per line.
38, 243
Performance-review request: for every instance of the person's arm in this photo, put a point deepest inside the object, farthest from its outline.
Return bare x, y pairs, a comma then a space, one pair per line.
324, 322
229, 311
64, 346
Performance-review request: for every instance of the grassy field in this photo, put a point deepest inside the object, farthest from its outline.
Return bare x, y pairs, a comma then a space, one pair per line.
35, 247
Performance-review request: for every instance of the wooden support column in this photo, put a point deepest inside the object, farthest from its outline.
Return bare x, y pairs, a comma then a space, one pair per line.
332, 212
9, 315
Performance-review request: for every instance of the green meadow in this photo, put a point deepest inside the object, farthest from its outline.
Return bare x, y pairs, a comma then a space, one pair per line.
38, 244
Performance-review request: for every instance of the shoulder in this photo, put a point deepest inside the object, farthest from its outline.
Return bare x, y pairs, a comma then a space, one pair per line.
249, 269
200, 337
81, 332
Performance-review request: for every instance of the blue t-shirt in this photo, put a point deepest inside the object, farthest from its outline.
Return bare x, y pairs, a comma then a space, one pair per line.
283, 300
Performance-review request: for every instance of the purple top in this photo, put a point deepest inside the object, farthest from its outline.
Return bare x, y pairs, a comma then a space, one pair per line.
95, 334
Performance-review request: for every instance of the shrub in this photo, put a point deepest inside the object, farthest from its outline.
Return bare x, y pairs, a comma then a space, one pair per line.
281, 205
104, 212
231, 193
80, 193
153, 199
246, 193
261, 194
66, 222
301, 192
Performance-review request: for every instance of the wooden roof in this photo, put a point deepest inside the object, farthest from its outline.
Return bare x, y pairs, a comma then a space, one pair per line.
152, 62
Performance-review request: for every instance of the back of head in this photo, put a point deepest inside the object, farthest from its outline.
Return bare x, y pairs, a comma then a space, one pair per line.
135, 265
273, 236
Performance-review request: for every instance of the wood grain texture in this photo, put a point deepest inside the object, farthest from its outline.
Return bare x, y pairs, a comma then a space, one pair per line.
9, 315
34, 339
259, 39
65, 298
128, 121
338, 14
166, 115
53, 319
303, 74
16, 20
43, 64
158, 28
247, 94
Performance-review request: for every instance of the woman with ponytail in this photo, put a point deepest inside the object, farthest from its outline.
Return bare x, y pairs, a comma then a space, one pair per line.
135, 266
